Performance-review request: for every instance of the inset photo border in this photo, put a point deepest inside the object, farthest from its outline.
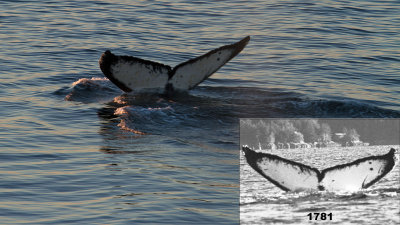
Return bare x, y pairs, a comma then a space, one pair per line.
301, 171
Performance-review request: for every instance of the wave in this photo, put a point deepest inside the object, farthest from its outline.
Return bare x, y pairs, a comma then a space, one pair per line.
88, 90
211, 111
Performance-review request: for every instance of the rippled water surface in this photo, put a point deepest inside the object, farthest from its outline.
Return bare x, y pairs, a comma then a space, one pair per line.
75, 149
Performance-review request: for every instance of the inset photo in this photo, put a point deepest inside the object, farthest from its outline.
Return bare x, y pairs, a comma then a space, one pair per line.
301, 171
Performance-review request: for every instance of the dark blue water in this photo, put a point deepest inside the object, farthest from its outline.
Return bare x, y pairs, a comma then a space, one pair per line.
75, 149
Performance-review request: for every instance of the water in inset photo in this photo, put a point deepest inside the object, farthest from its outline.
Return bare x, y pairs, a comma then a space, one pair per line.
300, 171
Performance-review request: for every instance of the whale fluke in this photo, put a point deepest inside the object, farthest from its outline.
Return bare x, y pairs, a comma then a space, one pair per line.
293, 176
134, 74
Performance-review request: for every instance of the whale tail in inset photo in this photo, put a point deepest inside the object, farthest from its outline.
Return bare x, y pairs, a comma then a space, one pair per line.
293, 176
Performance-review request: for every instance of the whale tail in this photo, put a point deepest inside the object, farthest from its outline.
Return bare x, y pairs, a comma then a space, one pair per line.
293, 176
130, 73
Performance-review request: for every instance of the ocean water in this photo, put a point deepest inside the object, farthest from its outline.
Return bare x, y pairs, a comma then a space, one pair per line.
76, 149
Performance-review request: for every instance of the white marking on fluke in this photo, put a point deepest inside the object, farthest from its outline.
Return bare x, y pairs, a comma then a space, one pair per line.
293, 176
134, 74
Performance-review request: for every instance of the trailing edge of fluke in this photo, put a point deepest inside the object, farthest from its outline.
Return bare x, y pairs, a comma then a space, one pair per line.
134, 74
293, 176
